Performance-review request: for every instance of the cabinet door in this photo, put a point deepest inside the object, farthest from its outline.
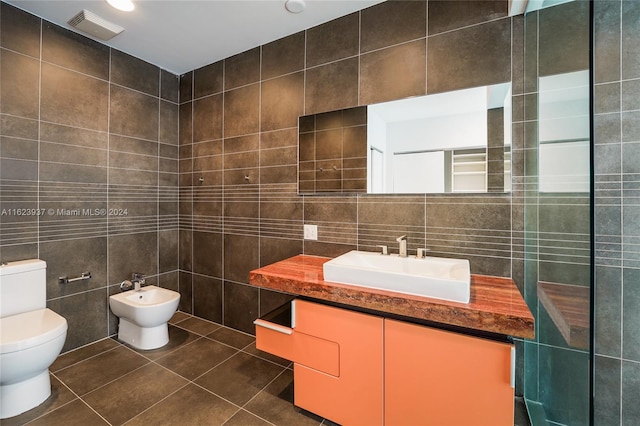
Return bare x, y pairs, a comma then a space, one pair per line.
355, 395
435, 377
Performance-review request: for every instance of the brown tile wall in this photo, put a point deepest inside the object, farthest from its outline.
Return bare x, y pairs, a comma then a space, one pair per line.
84, 126
238, 121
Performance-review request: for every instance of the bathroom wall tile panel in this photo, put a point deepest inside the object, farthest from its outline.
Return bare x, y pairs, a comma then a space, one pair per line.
70, 258
279, 157
630, 381
169, 123
517, 55
242, 110
607, 41
334, 209
631, 299
277, 248
168, 151
393, 73
333, 86
89, 108
207, 118
54, 172
133, 114
134, 73
21, 251
270, 300
132, 253
19, 30
240, 306
86, 325
242, 69
630, 95
186, 292
237, 267
334, 40
19, 90
18, 148
608, 128
207, 298
329, 249
58, 153
607, 98
482, 56
391, 23
185, 132
127, 146
170, 280
278, 174
208, 148
208, 80
608, 330
282, 101
531, 45
168, 246
73, 51
283, 56
207, 253
73, 136
630, 126
169, 86
18, 127
564, 39
630, 42
445, 15
607, 403
186, 87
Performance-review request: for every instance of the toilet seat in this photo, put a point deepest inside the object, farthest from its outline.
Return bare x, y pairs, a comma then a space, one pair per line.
29, 329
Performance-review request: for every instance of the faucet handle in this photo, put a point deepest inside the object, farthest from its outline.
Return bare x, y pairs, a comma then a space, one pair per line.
385, 249
404, 237
420, 253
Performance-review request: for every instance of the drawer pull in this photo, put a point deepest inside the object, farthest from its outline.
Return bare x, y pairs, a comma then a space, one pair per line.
274, 327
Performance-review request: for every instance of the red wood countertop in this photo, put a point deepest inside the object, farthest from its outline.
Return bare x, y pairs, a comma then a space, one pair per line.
496, 305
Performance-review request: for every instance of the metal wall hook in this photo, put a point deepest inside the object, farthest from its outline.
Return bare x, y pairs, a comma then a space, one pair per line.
201, 179
246, 177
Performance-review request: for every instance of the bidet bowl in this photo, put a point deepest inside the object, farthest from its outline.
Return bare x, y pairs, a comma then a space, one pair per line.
148, 307
144, 315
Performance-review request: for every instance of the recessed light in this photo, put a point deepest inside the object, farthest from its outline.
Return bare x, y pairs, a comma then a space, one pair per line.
295, 6
123, 5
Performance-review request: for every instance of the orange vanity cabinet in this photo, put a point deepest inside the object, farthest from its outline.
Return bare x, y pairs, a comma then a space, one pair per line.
338, 360
362, 369
436, 377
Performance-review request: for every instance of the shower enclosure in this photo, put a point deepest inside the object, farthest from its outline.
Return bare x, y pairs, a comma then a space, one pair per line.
555, 189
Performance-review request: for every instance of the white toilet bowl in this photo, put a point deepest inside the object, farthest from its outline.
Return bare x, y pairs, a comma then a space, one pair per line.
144, 315
29, 343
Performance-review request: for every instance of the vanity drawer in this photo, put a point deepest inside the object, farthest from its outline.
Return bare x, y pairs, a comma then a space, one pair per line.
277, 335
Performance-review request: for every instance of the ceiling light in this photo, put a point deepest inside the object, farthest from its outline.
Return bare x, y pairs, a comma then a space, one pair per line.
295, 6
123, 5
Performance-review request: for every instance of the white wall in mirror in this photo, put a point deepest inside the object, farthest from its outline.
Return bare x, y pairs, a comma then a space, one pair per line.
418, 139
563, 130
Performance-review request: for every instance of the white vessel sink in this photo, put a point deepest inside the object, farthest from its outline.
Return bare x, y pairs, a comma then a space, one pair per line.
436, 277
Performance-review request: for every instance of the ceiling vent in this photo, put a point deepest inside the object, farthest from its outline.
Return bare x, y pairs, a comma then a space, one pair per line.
94, 25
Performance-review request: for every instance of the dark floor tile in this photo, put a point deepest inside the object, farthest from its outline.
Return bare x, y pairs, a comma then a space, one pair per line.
60, 396
144, 388
191, 405
75, 413
232, 337
199, 326
81, 354
178, 317
97, 371
195, 359
244, 418
275, 404
240, 378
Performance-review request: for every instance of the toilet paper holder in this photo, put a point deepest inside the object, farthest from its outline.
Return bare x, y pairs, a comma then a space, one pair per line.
67, 280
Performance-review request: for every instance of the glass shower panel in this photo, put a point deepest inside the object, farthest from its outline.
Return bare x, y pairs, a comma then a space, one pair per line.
557, 213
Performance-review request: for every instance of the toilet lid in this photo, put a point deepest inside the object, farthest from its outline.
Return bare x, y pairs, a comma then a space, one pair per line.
30, 329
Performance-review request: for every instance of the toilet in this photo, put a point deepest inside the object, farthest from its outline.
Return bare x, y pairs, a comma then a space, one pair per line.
31, 337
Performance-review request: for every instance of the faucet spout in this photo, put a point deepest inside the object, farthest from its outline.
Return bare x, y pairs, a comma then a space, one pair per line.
402, 246
137, 279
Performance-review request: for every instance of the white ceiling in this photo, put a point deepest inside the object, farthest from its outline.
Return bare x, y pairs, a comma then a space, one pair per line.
183, 35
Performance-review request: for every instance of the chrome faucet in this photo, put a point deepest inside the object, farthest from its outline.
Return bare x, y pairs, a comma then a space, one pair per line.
402, 241
137, 279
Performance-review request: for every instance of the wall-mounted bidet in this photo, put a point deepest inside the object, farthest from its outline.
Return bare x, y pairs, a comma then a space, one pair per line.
144, 314
31, 337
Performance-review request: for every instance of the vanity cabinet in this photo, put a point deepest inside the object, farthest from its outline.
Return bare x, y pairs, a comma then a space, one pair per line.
362, 369
338, 360
436, 377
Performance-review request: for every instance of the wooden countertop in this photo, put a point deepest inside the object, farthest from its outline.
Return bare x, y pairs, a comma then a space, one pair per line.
496, 305
568, 307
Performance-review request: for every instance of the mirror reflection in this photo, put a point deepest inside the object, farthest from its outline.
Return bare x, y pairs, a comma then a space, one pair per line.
443, 143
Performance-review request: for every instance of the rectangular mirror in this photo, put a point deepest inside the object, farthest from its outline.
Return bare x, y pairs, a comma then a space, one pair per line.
443, 143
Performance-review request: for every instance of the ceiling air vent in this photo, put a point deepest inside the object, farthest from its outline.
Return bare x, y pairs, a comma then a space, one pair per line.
94, 25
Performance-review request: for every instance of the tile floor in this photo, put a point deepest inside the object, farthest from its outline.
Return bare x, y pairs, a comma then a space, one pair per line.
207, 375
